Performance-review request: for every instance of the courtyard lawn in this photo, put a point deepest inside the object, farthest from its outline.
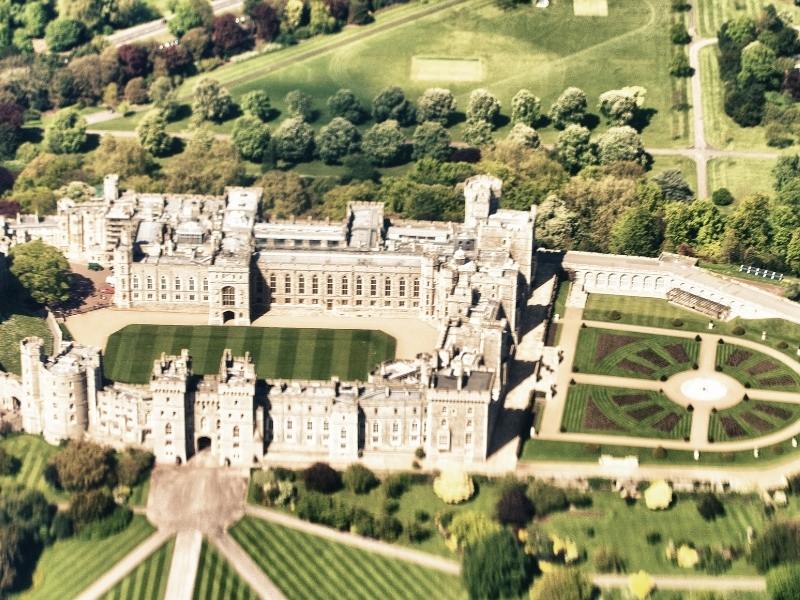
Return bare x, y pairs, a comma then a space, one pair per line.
616, 411
755, 369
217, 579
742, 176
617, 525
34, 454
628, 354
544, 50
67, 567
713, 13
14, 328
148, 581
655, 312
306, 566
751, 419
278, 353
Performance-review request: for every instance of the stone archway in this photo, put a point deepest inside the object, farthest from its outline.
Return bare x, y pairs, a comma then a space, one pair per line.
228, 316
203, 443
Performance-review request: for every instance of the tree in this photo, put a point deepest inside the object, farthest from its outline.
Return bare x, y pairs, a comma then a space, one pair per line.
152, 133
18, 553
320, 477
391, 104
338, 139
483, 106
621, 106
134, 61
293, 14
173, 60
125, 157
574, 148
320, 19
469, 527
673, 185
338, 9
778, 544
526, 108
748, 233
206, 166
293, 141
257, 104
284, 194
11, 118
555, 224
636, 233
570, 107
709, 506
436, 104
299, 104
478, 133
495, 567
745, 104
679, 34
384, 143
228, 36
136, 91
66, 132
758, 66
212, 102
546, 498
524, 135
359, 479
251, 138
454, 486
514, 507
344, 103
359, 12
793, 252
90, 505
189, 14
679, 65
621, 143
132, 465
564, 584
198, 42
83, 465
64, 34
783, 583
266, 21
432, 140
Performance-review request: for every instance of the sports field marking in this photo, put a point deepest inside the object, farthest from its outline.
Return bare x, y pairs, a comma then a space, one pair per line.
446, 69
590, 8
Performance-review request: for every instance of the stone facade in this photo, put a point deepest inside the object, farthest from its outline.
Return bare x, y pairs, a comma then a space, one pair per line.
212, 255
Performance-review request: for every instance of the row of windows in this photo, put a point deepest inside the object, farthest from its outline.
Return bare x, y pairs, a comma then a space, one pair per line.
311, 285
168, 429
166, 297
149, 283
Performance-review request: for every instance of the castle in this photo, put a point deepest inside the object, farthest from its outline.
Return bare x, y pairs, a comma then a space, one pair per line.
216, 256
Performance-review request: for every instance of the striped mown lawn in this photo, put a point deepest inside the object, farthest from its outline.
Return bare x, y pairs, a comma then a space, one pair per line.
278, 353
613, 411
306, 566
148, 581
217, 580
755, 369
34, 453
751, 419
68, 567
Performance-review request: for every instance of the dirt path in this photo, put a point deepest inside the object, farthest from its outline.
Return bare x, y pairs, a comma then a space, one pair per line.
183, 568
246, 567
689, 582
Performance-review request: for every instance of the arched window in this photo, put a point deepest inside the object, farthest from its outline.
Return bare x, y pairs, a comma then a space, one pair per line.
163, 282
228, 296
345, 286
203, 424
315, 285
387, 287
359, 288
135, 282
415, 288
329, 286
373, 286
149, 282
191, 284
287, 284
301, 284
168, 429
177, 284
402, 287
205, 284
235, 431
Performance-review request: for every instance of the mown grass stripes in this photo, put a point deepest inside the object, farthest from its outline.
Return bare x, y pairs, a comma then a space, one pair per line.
278, 353
148, 581
217, 580
34, 454
305, 566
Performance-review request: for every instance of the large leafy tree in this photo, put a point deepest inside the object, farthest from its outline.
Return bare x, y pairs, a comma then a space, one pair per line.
384, 143
125, 157
574, 148
293, 141
496, 567
483, 106
344, 103
391, 104
152, 133
257, 103
570, 107
212, 102
436, 104
63, 34
83, 465
338, 139
207, 166
525, 108
636, 233
190, 14
66, 133
621, 143
432, 140
228, 36
42, 270
284, 194
251, 138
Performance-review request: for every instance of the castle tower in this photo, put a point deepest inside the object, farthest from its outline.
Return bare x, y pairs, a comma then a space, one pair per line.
481, 196
122, 259
69, 383
110, 188
238, 442
169, 386
32, 358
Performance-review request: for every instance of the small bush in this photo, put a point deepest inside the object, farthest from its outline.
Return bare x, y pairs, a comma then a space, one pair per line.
390, 506
697, 338
388, 528
421, 516
112, 524
363, 523
359, 479
783, 345
454, 486
709, 507
722, 197
653, 538
419, 453
659, 453
321, 477
677, 322
607, 560
615, 315
283, 474
9, 464
395, 486
514, 508
718, 368
416, 533
738, 330
546, 498
663, 378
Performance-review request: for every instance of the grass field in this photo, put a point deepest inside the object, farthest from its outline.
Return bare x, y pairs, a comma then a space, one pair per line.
624, 528
627, 354
743, 177
613, 411
751, 419
306, 566
148, 581
67, 567
655, 312
13, 329
34, 453
544, 50
278, 353
755, 369
713, 13
217, 579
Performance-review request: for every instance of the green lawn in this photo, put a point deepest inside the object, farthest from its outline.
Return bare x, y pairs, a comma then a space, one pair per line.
278, 353
34, 453
216, 579
628, 354
756, 369
655, 312
307, 566
616, 411
148, 581
13, 329
624, 527
751, 419
544, 50
742, 176
713, 13
67, 567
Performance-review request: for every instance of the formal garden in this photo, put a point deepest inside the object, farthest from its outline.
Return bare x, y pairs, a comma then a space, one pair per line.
217, 579
619, 411
148, 581
751, 419
755, 369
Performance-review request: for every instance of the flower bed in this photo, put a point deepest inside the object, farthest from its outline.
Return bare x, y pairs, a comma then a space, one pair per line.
738, 357
678, 353
634, 367
641, 414
764, 366
757, 422
594, 418
668, 422
732, 427
773, 411
629, 399
778, 381
653, 357
608, 343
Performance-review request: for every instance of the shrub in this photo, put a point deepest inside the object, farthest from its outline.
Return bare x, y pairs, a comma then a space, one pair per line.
738, 330
388, 528
653, 538
112, 524
778, 544
709, 506
546, 498
421, 516
390, 506
658, 496
514, 508
9, 464
395, 486
419, 453
416, 533
89, 506
564, 584
677, 322
783, 345
363, 523
659, 453
454, 486
783, 583
722, 197
321, 477
467, 528
606, 560
314, 507
359, 479
496, 567
615, 315
61, 527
